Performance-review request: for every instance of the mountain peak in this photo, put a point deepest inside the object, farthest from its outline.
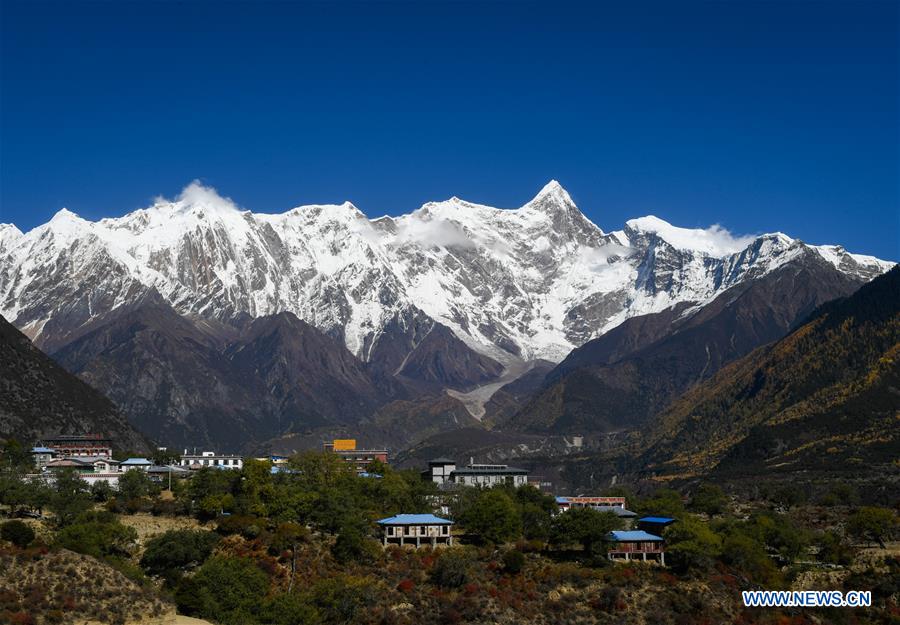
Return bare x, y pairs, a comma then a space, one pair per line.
198, 195
64, 214
714, 240
10, 229
552, 192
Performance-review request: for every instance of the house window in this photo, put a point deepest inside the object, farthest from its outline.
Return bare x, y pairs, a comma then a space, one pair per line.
422, 531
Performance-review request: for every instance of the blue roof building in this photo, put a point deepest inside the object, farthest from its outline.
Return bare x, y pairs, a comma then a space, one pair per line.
636, 545
135, 463
661, 520
416, 530
654, 524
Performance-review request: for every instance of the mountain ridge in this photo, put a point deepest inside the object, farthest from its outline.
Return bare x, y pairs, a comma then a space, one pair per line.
513, 284
39, 398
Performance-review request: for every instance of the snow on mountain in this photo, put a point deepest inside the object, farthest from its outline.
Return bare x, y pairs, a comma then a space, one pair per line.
515, 284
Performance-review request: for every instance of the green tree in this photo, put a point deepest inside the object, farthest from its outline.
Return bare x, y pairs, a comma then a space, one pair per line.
692, 545
779, 533
101, 491
14, 455
98, 534
491, 516
133, 484
584, 526
164, 457
749, 556
537, 511
834, 549
352, 545
513, 561
225, 589
17, 532
257, 487
289, 609
70, 497
663, 502
211, 492
873, 524
341, 598
709, 499
175, 551
788, 496
14, 491
288, 536
451, 570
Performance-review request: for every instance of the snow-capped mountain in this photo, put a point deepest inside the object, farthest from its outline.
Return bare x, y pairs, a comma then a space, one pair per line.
514, 284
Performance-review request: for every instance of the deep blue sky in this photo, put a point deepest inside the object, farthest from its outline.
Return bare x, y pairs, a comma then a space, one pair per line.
758, 116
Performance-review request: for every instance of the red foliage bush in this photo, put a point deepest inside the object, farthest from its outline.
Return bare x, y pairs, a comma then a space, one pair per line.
406, 585
21, 618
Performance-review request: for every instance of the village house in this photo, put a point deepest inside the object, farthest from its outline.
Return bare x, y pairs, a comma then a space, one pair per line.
615, 505
416, 530
489, 475
654, 524
439, 470
132, 464
91, 470
359, 458
635, 545
210, 459
444, 472
78, 445
76, 464
42, 455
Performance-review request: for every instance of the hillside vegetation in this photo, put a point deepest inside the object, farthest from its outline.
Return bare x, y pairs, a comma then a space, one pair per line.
826, 397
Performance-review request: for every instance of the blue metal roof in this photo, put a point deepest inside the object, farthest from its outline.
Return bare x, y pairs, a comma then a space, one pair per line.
633, 536
656, 519
414, 519
137, 461
42, 450
562, 500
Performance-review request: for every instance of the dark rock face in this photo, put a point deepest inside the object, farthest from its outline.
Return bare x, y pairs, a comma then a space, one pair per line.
824, 399
191, 382
442, 360
625, 377
39, 398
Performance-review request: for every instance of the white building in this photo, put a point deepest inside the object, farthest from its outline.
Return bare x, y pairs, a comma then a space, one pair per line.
444, 471
211, 459
489, 475
439, 470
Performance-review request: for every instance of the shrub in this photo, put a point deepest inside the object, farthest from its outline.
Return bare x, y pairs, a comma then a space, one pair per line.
289, 609
352, 545
709, 499
247, 526
339, 599
492, 517
872, 524
225, 589
174, 551
513, 561
97, 534
451, 570
17, 532
584, 526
